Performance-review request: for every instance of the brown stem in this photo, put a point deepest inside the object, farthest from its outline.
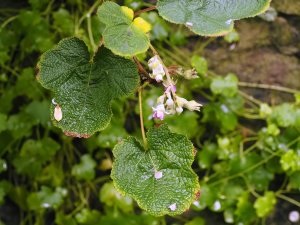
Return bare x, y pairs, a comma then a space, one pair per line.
145, 10
141, 69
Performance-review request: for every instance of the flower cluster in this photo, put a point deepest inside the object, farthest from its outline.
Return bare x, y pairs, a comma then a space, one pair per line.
169, 103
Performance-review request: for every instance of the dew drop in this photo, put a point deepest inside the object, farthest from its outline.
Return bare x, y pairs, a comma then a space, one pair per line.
57, 113
173, 207
53, 101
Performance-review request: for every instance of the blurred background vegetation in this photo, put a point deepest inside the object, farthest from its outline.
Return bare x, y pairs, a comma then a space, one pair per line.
247, 134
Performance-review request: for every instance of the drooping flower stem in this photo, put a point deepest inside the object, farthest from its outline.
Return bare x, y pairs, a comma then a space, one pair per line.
170, 81
141, 117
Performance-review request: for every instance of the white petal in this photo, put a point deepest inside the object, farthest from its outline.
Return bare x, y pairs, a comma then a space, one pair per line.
158, 175
57, 113
173, 207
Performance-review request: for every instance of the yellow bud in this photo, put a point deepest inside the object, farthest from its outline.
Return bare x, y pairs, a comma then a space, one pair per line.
128, 12
142, 24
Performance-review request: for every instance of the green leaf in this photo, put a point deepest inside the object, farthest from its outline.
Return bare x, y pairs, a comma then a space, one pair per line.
3, 165
245, 211
265, 204
207, 155
61, 219
33, 155
63, 22
196, 221
112, 198
88, 217
232, 36
200, 64
85, 170
260, 178
160, 29
5, 187
121, 36
3, 122
169, 155
227, 86
286, 115
210, 18
84, 89
295, 180
290, 161
46, 198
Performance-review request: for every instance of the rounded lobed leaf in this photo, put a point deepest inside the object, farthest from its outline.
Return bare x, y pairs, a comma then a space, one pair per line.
83, 87
160, 178
121, 35
210, 17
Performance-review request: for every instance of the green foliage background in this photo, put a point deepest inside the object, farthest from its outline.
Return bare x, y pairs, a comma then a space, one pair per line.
248, 150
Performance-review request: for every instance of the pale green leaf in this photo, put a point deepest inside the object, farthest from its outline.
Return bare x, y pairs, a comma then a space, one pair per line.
84, 87
121, 36
135, 168
227, 86
85, 170
265, 204
210, 18
46, 198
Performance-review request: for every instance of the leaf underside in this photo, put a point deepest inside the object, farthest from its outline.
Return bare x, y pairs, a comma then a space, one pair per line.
134, 170
210, 17
121, 36
84, 87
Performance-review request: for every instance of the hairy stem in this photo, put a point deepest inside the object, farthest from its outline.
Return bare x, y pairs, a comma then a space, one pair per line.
269, 87
141, 117
145, 10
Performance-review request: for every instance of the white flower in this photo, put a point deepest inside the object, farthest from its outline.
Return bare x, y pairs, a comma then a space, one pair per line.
193, 106
158, 175
170, 102
179, 110
157, 68
57, 113
181, 102
159, 112
158, 78
190, 74
190, 105
161, 99
173, 207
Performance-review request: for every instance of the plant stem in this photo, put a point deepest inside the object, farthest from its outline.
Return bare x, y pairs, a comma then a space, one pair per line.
250, 98
269, 87
4, 24
141, 117
247, 170
145, 10
90, 32
288, 199
91, 10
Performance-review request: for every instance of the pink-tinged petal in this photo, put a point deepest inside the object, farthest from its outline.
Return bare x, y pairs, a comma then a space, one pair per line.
57, 113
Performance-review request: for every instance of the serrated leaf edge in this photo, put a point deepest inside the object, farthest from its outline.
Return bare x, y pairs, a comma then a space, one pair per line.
56, 123
166, 211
